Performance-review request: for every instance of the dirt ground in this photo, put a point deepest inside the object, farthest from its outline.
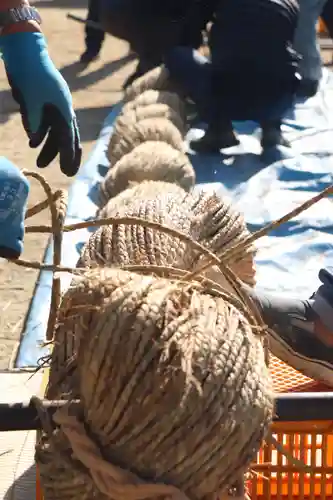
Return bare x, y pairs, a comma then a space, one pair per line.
94, 90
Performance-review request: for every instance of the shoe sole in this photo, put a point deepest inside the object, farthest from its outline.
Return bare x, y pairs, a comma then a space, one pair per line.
318, 370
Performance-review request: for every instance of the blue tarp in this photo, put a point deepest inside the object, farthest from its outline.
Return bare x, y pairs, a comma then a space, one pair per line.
263, 189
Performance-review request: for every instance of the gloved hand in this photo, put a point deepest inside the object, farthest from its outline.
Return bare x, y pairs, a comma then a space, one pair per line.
14, 190
44, 99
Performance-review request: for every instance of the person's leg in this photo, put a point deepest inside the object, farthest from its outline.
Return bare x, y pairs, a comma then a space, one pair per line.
275, 106
94, 37
301, 331
14, 190
306, 44
272, 134
193, 73
219, 135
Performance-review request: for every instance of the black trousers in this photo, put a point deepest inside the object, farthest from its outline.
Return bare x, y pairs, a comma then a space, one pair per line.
150, 33
94, 37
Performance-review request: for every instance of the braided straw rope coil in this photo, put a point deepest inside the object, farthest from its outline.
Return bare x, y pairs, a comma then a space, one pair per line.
176, 396
135, 244
120, 245
158, 110
157, 97
161, 202
206, 218
150, 129
156, 79
218, 225
151, 160
170, 371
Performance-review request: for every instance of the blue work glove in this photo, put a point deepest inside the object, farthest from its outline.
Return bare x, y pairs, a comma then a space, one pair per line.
44, 99
14, 190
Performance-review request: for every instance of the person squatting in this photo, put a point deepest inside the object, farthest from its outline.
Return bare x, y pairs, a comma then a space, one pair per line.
252, 72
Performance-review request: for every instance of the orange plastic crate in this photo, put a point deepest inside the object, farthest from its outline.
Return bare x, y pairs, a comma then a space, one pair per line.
321, 27
273, 477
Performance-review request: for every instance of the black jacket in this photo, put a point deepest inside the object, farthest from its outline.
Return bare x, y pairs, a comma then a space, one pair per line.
258, 31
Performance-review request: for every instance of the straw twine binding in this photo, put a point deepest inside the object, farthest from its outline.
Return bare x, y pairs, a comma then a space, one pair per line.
151, 160
84, 479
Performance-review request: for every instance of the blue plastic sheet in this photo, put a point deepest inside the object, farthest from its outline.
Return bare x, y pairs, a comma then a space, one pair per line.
263, 188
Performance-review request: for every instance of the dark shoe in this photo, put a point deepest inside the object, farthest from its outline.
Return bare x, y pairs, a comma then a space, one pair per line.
297, 335
307, 88
212, 142
272, 137
89, 56
302, 348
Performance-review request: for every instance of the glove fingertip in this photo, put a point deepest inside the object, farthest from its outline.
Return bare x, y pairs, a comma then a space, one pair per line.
34, 142
40, 163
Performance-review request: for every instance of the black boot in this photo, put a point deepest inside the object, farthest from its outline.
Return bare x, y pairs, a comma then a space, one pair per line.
90, 55
216, 138
272, 135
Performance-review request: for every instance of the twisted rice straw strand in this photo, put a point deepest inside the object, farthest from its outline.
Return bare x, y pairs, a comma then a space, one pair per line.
57, 218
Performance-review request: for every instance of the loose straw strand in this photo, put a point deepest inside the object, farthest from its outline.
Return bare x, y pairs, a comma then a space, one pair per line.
36, 209
57, 218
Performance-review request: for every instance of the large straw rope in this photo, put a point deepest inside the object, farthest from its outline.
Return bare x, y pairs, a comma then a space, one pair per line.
187, 369
193, 215
150, 161
150, 129
160, 202
149, 97
81, 317
156, 79
174, 388
158, 110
